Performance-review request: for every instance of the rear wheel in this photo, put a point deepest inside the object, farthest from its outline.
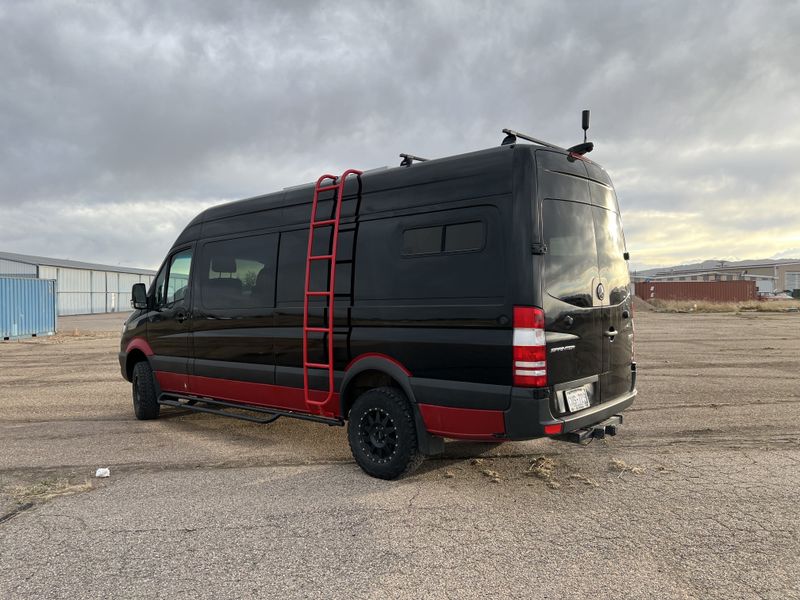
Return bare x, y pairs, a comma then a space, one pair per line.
382, 434
145, 402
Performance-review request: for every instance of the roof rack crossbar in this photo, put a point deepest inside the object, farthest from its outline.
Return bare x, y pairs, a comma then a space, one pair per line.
516, 134
408, 159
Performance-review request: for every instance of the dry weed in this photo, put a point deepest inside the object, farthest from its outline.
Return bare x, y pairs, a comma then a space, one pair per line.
584, 479
621, 467
703, 306
47, 489
542, 467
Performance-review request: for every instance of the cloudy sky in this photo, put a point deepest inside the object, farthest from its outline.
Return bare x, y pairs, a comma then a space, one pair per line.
120, 121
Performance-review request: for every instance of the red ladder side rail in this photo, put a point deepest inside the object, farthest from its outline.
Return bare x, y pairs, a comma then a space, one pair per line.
338, 188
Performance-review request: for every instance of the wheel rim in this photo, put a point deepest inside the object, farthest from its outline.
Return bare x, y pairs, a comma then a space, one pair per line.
378, 434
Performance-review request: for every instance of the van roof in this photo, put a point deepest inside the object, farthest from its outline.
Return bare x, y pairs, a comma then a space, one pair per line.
444, 168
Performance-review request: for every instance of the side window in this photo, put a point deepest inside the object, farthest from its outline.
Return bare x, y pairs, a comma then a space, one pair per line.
157, 289
463, 237
455, 237
238, 273
178, 281
452, 257
571, 258
424, 240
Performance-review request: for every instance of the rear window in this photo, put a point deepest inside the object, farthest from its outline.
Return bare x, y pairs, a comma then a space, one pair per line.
610, 254
571, 257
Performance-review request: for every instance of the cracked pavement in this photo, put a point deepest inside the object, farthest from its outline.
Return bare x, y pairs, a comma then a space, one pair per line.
695, 498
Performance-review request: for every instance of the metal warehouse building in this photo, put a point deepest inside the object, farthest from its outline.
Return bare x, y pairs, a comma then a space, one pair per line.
769, 276
81, 288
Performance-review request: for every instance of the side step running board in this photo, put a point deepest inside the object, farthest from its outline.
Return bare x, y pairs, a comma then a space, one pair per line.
598, 430
190, 403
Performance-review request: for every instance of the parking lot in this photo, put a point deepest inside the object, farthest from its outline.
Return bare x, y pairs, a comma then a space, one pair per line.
697, 497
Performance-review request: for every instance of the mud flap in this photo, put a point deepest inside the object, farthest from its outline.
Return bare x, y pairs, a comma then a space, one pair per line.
427, 444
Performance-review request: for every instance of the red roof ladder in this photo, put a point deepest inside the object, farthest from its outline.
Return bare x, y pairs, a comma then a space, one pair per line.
336, 186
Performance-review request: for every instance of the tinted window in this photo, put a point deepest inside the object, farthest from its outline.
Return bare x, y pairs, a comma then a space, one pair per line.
178, 282
238, 273
571, 258
463, 236
610, 250
468, 266
457, 237
425, 240
292, 266
158, 286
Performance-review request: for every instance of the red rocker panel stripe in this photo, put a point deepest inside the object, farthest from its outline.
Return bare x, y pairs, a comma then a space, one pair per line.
261, 394
463, 423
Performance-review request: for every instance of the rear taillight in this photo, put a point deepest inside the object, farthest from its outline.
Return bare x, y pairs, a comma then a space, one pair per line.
530, 366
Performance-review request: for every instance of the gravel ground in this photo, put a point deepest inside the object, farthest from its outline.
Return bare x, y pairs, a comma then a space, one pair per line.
695, 498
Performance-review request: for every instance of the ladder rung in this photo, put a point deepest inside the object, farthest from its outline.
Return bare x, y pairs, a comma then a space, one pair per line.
310, 293
321, 257
318, 365
323, 223
319, 329
328, 188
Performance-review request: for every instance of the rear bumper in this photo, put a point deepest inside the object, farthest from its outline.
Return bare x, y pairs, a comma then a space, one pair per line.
527, 417
470, 411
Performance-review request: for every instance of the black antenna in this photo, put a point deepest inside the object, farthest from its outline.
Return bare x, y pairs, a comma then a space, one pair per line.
585, 147
585, 124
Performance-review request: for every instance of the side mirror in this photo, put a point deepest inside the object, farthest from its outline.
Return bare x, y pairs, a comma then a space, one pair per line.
139, 296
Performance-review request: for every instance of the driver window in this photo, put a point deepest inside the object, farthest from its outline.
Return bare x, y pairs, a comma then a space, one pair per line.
178, 280
157, 290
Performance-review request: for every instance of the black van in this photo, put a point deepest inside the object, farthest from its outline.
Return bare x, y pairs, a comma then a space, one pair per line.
483, 296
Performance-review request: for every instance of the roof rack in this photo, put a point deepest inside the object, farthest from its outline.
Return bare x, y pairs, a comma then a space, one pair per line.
511, 138
408, 159
576, 150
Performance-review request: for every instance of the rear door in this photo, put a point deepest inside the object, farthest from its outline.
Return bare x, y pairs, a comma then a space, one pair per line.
617, 321
573, 315
570, 275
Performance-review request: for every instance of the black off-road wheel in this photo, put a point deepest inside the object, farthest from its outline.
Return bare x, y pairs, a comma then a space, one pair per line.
382, 434
145, 402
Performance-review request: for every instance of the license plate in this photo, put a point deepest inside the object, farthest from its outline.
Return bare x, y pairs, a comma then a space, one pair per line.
577, 399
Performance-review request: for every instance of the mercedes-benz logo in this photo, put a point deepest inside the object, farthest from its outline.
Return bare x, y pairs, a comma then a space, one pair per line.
601, 291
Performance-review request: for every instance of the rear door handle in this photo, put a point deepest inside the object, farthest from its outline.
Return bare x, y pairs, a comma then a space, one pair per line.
611, 333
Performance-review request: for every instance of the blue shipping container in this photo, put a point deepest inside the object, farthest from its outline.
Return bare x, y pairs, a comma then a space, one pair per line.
27, 307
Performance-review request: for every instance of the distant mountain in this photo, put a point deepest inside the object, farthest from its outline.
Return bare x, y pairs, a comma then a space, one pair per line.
790, 253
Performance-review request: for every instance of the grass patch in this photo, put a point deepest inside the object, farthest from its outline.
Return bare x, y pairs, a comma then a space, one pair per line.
47, 489
703, 306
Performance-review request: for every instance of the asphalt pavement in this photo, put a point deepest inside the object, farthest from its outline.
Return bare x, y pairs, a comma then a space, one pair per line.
695, 498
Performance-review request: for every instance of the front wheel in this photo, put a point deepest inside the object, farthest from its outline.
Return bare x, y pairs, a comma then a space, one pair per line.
145, 402
382, 434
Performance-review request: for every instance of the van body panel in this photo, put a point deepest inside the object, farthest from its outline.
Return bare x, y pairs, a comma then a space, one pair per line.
463, 423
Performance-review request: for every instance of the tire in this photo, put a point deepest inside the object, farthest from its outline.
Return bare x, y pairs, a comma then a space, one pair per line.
145, 402
382, 435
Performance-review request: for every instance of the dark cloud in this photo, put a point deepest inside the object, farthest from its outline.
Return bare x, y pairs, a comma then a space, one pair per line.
108, 111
